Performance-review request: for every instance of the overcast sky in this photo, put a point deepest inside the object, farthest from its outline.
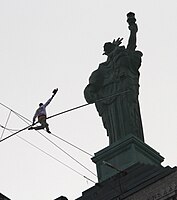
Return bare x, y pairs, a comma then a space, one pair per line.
45, 44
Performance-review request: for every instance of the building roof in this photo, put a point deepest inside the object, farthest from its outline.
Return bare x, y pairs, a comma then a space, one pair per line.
133, 181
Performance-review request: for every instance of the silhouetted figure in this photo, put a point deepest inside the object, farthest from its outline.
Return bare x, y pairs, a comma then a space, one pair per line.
42, 115
119, 74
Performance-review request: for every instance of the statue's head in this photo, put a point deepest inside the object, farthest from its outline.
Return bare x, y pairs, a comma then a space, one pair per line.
108, 48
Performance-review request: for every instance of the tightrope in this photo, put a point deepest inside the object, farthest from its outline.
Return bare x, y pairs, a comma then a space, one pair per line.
69, 110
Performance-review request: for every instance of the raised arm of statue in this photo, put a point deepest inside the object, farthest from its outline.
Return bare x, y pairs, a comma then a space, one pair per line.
133, 30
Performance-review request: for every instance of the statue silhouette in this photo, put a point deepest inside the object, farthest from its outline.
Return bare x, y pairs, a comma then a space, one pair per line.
118, 74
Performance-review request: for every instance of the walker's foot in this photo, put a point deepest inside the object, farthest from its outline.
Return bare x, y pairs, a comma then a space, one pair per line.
48, 131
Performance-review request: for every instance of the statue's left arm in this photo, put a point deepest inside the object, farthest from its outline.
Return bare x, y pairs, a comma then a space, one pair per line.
95, 83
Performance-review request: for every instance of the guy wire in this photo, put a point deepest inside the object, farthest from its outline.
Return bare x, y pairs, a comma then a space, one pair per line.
58, 147
53, 157
24, 118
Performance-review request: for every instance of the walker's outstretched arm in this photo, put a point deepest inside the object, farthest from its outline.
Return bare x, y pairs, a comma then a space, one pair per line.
54, 93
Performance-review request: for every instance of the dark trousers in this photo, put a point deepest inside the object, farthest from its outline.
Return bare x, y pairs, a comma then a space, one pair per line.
42, 121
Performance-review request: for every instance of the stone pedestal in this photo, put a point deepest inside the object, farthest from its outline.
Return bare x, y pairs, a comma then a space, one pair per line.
123, 154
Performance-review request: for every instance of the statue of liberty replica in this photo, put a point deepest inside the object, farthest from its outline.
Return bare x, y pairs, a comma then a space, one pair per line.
114, 87
127, 168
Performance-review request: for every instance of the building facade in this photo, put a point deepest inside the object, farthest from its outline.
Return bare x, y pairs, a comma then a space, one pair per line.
139, 182
2, 197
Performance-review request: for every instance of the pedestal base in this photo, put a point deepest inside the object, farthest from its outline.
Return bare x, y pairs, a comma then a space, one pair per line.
122, 155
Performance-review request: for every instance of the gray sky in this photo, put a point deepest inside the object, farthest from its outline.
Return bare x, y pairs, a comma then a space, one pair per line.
58, 43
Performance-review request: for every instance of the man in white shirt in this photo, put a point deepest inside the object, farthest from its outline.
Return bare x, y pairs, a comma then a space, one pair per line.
42, 115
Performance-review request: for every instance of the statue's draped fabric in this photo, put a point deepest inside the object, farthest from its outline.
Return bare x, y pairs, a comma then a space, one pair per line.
116, 82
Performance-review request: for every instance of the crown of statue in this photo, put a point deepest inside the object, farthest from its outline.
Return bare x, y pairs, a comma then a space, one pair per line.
110, 46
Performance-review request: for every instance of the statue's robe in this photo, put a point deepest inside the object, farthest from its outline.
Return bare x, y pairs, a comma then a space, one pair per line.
118, 76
